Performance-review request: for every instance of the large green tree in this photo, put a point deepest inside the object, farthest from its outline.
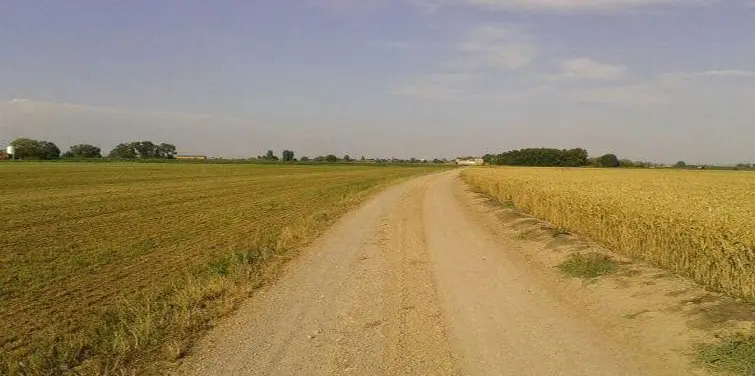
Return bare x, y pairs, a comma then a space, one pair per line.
167, 151
144, 150
123, 151
288, 155
48, 150
27, 148
83, 151
540, 157
608, 160
269, 156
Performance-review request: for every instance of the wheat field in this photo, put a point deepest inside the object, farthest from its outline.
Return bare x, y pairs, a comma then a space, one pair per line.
700, 224
110, 268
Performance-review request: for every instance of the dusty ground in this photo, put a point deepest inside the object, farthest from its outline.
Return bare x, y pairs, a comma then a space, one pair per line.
430, 279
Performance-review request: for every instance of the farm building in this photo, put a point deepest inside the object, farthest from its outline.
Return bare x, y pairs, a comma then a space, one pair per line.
470, 161
192, 157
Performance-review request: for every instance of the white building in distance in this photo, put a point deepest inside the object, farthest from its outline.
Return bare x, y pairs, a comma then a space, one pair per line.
470, 161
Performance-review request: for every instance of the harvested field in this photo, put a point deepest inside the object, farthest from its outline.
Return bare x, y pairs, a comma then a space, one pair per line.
114, 267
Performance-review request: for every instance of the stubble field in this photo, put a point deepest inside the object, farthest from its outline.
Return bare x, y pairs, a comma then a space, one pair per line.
112, 268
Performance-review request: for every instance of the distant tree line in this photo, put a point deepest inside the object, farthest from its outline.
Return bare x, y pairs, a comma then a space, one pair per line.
83, 151
30, 149
26, 148
289, 156
143, 150
540, 157
578, 157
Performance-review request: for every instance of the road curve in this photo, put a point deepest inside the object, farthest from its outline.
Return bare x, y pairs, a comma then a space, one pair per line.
411, 284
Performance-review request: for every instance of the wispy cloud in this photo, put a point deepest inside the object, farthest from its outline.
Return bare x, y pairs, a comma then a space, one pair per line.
623, 95
558, 5
586, 68
342, 4
21, 105
494, 47
711, 74
485, 51
683, 88
393, 45
438, 86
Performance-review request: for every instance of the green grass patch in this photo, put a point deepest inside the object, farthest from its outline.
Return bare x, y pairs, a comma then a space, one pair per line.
558, 232
589, 265
735, 355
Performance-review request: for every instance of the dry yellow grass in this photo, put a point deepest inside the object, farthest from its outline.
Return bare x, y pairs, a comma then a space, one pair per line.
700, 224
112, 268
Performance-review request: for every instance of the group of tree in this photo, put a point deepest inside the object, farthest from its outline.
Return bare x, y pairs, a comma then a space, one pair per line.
269, 156
26, 148
143, 150
540, 157
330, 158
638, 164
564, 158
609, 160
289, 156
83, 151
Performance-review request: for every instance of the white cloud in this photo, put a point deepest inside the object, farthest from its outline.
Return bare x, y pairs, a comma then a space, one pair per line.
711, 74
432, 6
576, 5
439, 86
342, 4
585, 68
485, 52
624, 95
494, 47
28, 106
393, 45
714, 87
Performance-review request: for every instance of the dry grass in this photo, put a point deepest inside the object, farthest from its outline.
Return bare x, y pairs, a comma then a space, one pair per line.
115, 268
695, 223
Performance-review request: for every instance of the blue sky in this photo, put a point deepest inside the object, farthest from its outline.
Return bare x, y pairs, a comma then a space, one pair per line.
655, 80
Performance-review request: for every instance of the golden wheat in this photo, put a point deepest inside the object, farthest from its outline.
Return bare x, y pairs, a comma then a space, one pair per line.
700, 224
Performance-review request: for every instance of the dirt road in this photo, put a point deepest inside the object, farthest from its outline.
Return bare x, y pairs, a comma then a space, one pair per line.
416, 282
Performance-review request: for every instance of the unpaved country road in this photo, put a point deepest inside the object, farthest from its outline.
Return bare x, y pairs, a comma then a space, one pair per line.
411, 284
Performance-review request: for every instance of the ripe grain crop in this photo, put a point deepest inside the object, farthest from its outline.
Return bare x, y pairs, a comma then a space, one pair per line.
113, 268
700, 224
